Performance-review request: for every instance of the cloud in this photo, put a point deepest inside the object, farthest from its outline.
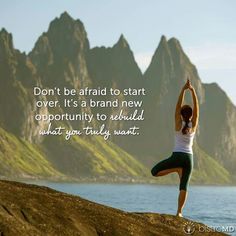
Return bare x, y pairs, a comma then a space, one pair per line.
143, 60
213, 56
208, 56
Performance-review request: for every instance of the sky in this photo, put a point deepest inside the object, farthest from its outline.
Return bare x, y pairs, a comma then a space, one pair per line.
205, 29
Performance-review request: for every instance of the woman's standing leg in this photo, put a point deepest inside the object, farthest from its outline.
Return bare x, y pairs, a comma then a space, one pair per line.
181, 202
184, 180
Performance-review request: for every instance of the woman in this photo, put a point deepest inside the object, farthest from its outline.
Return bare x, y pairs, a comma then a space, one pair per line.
181, 160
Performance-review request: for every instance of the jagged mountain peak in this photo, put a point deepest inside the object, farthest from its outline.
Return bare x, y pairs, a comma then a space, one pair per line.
5, 36
162, 46
166, 45
65, 37
66, 16
171, 52
66, 24
3, 31
122, 42
170, 66
175, 47
162, 53
59, 54
65, 19
174, 41
6, 44
169, 45
163, 39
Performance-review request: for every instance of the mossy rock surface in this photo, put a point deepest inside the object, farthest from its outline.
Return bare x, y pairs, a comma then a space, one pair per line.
34, 210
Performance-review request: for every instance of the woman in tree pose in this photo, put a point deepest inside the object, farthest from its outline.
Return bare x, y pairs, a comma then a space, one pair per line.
181, 160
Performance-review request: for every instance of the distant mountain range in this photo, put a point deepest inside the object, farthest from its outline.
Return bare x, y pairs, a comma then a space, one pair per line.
62, 57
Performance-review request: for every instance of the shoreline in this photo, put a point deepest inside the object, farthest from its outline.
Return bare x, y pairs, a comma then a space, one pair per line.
114, 181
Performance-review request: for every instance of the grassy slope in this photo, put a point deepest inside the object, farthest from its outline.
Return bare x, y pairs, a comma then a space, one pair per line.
19, 158
209, 171
83, 157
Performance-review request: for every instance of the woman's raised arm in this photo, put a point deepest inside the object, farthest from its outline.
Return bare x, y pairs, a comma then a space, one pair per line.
178, 120
195, 108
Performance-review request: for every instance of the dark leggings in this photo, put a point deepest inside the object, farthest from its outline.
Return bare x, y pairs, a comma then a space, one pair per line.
177, 160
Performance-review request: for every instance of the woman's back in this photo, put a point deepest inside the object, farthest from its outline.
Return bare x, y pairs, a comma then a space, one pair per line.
184, 142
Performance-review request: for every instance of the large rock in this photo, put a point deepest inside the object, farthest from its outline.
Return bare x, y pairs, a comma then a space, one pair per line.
33, 210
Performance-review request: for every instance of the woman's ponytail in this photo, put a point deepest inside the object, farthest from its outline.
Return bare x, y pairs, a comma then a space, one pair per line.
186, 128
186, 112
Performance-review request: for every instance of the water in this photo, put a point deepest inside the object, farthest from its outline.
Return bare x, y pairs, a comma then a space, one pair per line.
214, 206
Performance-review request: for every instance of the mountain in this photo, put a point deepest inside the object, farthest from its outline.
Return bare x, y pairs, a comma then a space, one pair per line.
162, 80
62, 57
49, 65
217, 135
167, 72
17, 77
115, 67
59, 54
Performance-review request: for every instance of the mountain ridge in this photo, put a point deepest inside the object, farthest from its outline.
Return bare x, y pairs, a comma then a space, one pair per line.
64, 58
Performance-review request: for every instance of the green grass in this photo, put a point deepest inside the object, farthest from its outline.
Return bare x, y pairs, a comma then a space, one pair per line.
91, 157
19, 158
207, 170
86, 157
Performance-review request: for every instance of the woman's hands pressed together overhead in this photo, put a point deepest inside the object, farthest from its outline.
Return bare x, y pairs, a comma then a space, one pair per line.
188, 85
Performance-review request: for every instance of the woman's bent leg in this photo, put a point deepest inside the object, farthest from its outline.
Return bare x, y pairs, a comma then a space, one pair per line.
168, 171
165, 167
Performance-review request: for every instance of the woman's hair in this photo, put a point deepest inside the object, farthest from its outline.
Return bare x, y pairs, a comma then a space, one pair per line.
186, 112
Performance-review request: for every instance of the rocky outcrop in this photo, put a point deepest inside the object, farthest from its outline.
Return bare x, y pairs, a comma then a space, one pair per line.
217, 134
33, 210
60, 58
17, 103
57, 60
115, 67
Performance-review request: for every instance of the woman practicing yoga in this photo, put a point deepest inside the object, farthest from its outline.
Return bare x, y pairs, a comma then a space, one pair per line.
181, 160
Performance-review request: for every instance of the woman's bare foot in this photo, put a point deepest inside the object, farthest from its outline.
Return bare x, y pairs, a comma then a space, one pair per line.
179, 214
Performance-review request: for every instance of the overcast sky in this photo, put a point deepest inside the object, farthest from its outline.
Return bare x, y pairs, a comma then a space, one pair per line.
206, 29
